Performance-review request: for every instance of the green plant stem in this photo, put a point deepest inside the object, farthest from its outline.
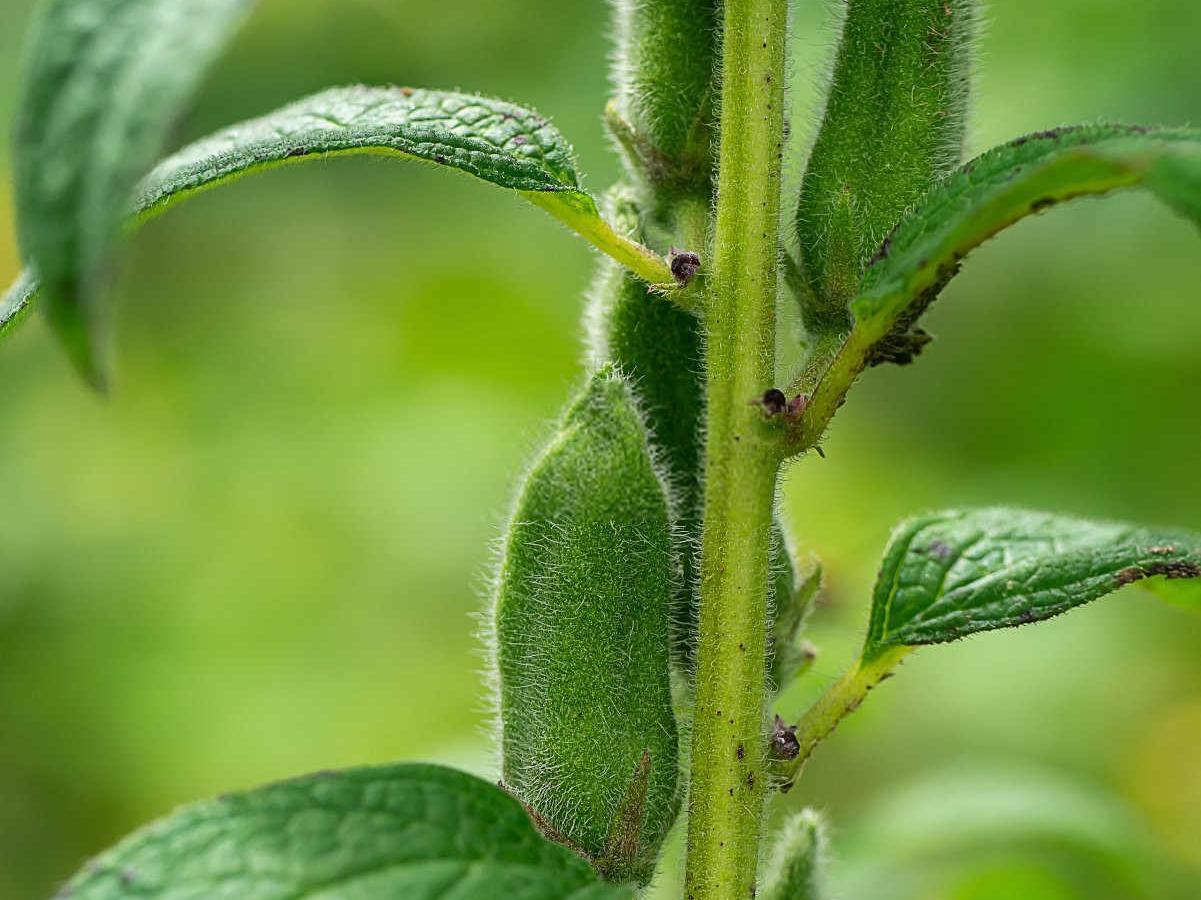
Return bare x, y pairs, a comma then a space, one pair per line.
727, 785
838, 702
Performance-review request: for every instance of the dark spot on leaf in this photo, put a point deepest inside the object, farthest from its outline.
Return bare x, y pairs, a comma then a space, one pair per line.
1048, 135
740, 752
1042, 203
939, 550
519, 139
1167, 570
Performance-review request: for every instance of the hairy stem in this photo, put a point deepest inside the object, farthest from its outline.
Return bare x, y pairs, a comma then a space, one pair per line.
727, 787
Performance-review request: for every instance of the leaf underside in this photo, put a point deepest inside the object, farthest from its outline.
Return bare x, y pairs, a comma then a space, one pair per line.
1009, 183
955, 573
413, 831
498, 142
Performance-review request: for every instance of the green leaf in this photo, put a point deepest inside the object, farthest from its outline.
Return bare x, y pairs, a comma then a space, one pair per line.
501, 143
1009, 183
102, 82
16, 302
411, 831
955, 573
498, 142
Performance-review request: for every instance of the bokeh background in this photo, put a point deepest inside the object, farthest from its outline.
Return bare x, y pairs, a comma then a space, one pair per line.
261, 555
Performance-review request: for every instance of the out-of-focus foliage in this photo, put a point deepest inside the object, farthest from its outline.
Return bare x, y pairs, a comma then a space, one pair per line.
267, 559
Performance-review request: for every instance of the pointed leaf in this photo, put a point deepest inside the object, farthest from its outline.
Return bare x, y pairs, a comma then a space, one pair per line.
409, 831
495, 141
15, 303
102, 82
955, 573
1009, 183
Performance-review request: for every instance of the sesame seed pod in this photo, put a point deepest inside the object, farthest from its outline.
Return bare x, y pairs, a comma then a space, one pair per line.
894, 122
664, 79
581, 632
658, 347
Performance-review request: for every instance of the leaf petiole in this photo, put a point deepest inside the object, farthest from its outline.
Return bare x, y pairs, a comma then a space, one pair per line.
839, 701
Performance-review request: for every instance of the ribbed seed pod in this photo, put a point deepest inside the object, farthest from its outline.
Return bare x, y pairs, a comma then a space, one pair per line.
664, 75
894, 122
588, 735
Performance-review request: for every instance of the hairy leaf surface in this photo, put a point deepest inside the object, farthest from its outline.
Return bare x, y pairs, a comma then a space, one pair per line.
1009, 183
413, 831
955, 573
497, 142
102, 82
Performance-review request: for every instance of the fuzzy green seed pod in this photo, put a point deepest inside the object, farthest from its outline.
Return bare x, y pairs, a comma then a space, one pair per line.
664, 76
588, 735
894, 122
796, 861
658, 347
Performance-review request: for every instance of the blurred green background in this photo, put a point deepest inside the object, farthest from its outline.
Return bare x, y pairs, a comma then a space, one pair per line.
263, 553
